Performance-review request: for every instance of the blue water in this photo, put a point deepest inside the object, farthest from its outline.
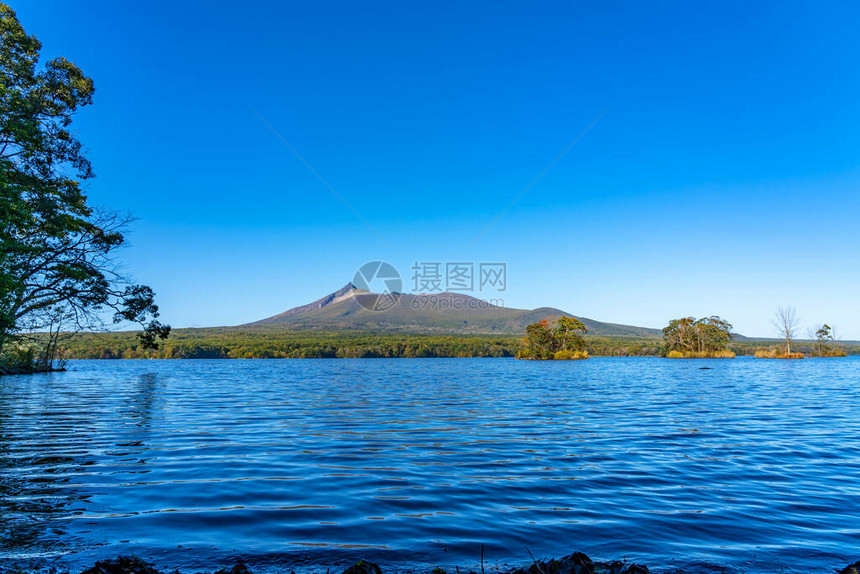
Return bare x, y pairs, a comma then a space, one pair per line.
749, 466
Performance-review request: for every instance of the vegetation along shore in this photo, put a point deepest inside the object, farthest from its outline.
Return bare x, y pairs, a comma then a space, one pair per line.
231, 343
552, 338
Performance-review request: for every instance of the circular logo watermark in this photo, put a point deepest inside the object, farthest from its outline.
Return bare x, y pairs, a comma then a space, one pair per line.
382, 283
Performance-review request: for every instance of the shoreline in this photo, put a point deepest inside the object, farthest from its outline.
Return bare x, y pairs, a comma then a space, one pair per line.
576, 563
14, 371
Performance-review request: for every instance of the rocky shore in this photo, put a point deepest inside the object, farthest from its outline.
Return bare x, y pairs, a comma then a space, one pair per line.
576, 563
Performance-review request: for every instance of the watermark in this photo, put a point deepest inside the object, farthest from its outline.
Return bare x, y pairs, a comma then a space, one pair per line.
437, 285
459, 276
493, 276
383, 284
427, 277
430, 302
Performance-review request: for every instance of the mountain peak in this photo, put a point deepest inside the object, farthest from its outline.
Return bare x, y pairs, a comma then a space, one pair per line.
343, 293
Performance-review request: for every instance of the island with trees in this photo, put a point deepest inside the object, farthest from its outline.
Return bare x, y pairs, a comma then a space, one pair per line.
690, 338
786, 322
825, 342
556, 339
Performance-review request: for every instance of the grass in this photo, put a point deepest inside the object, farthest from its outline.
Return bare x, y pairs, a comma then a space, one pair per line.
701, 354
830, 354
570, 355
775, 354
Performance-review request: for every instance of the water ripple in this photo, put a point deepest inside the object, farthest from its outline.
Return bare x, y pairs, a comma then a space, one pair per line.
751, 466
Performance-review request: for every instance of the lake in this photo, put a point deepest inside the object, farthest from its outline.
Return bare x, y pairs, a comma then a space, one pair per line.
747, 466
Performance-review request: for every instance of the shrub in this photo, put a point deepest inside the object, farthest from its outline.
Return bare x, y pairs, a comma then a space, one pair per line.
775, 354
17, 359
725, 354
570, 355
833, 353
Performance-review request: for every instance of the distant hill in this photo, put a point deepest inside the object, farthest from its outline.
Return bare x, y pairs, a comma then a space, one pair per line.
438, 313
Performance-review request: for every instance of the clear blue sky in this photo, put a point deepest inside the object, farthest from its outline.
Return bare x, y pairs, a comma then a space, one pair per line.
723, 177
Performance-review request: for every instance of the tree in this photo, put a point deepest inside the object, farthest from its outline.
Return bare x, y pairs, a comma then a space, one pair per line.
56, 252
786, 322
690, 335
570, 331
555, 339
540, 340
678, 334
823, 336
714, 333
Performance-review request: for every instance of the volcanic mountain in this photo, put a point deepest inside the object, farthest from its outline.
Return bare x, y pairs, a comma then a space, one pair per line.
353, 309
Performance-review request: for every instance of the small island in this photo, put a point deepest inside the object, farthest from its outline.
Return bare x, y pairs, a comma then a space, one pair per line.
825, 343
559, 339
786, 322
706, 338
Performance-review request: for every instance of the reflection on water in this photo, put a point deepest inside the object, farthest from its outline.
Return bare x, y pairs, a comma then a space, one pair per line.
37, 464
142, 402
752, 466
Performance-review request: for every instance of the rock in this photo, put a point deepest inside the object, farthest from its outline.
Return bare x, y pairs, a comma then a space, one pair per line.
579, 563
362, 567
618, 567
851, 568
122, 565
576, 563
237, 569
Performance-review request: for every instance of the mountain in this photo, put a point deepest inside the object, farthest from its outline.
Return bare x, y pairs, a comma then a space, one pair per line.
350, 308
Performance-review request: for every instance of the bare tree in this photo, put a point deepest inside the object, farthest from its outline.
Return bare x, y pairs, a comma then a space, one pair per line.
786, 322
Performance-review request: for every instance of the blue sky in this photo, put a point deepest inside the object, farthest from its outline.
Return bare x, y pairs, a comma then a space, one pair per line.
722, 177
